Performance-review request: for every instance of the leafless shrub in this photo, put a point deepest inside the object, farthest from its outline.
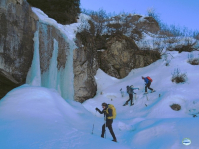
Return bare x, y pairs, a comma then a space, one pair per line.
113, 28
196, 35
188, 47
99, 18
178, 77
192, 60
167, 62
171, 40
148, 52
167, 59
136, 34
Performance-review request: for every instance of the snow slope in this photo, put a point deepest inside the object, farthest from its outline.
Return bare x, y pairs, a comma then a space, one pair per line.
36, 117
155, 125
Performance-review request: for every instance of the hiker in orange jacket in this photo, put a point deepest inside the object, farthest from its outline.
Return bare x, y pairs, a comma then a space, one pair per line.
147, 85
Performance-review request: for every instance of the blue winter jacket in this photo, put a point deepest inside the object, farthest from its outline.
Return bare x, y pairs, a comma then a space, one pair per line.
146, 80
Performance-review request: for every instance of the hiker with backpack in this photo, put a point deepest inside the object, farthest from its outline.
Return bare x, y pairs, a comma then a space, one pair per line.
130, 91
109, 114
148, 81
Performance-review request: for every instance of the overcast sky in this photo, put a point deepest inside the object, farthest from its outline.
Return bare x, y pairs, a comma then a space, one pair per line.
177, 12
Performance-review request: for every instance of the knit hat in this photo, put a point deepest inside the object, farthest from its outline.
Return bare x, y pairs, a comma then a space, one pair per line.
104, 104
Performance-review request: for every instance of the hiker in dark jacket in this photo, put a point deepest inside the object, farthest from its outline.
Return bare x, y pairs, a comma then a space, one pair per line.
130, 91
109, 120
147, 84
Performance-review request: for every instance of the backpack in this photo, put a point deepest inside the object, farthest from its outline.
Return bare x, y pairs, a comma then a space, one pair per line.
128, 88
113, 111
149, 78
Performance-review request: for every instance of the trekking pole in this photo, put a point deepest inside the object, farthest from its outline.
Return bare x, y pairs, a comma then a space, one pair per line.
121, 92
94, 122
105, 126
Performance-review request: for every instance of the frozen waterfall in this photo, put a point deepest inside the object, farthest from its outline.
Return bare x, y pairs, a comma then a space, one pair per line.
59, 79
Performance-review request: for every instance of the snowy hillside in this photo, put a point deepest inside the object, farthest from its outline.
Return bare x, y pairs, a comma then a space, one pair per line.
155, 125
36, 117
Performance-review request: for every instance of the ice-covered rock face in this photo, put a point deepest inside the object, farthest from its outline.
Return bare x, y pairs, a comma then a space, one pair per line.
36, 51
18, 44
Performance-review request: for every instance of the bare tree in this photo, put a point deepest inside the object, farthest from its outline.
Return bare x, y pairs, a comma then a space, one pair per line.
100, 18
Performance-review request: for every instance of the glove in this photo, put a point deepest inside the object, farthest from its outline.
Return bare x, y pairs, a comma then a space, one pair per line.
96, 109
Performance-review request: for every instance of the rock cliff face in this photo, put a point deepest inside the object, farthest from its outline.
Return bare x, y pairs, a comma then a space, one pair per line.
85, 86
122, 55
17, 27
85, 67
117, 59
7, 82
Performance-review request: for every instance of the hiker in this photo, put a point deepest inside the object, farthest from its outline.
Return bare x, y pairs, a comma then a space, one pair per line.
108, 116
130, 91
148, 81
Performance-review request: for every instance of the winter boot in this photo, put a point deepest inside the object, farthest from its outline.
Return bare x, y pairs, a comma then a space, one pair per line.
114, 140
132, 104
125, 104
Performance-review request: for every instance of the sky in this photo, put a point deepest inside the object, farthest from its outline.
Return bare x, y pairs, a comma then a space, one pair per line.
183, 13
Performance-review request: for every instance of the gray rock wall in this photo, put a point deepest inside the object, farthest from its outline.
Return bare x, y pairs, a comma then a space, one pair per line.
17, 27
85, 67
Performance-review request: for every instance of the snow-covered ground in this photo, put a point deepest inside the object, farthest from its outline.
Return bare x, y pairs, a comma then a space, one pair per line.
37, 117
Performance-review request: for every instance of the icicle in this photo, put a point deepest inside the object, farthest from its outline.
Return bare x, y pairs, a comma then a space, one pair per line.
65, 77
68, 80
34, 75
53, 67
